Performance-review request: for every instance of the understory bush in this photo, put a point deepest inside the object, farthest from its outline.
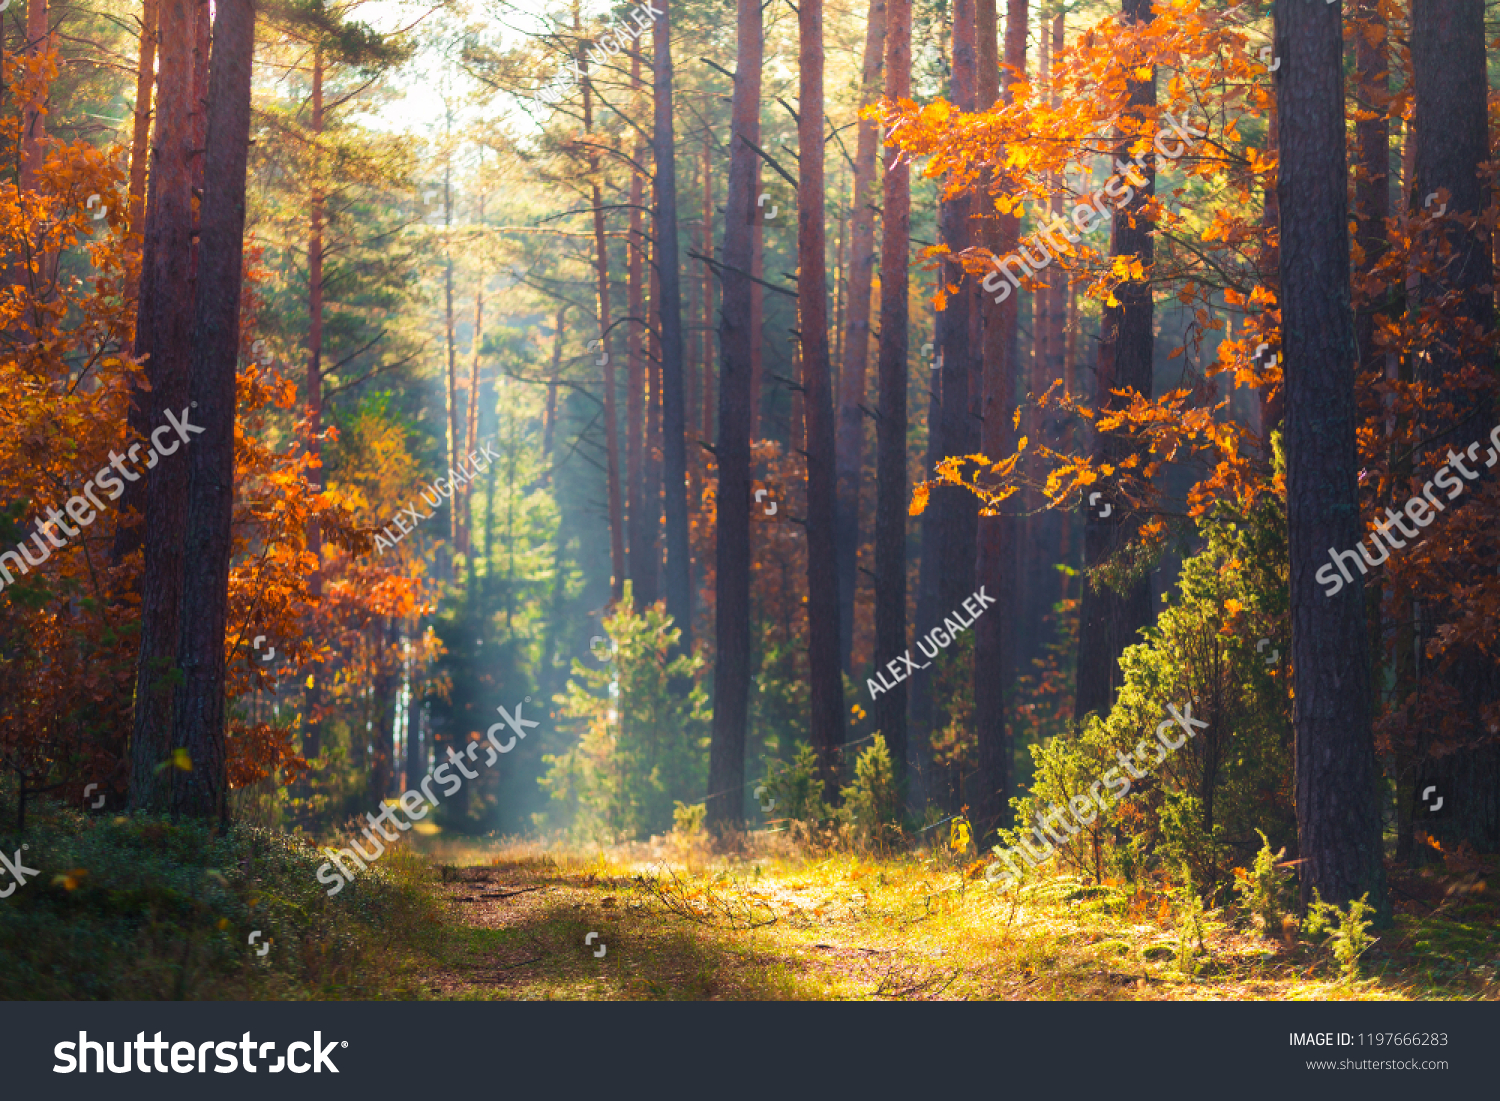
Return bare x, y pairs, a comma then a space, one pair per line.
1212, 654
644, 741
141, 908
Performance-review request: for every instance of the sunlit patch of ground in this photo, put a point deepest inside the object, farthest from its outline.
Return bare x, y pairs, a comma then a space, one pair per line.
675, 922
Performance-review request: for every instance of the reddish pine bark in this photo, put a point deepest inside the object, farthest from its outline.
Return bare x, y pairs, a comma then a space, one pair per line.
995, 560
642, 567
199, 721
145, 82
889, 708
738, 341
678, 567
823, 650
1110, 620
1338, 819
856, 351
601, 270
165, 321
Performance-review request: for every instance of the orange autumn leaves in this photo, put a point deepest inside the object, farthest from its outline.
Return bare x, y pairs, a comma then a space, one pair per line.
1209, 238
69, 628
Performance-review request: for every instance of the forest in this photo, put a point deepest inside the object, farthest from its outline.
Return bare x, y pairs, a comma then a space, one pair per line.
693, 499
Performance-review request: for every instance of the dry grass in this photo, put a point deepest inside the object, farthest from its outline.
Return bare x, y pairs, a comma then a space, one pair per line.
766, 923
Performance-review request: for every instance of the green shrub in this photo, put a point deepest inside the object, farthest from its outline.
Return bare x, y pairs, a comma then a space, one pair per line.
872, 805
1266, 890
1203, 653
641, 750
142, 908
1187, 913
1347, 933
794, 790
687, 821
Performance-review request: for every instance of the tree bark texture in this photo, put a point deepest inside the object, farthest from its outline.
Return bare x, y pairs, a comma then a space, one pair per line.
1338, 822
737, 341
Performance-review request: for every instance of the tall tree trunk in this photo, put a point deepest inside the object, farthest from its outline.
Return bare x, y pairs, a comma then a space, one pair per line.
166, 317
642, 563
455, 414
851, 426
957, 508
312, 738
384, 692
757, 323
994, 660
924, 720
416, 756
1338, 820
199, 725
890, 427
471, 427
673, 399
823, 649
1110, 620
737, 340
34, 113
1452, 140
549, 411
653, 425
601, 268
1372, 141
145, 82
707, 391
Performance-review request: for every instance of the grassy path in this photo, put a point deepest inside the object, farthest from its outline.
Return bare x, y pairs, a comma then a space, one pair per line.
857, 928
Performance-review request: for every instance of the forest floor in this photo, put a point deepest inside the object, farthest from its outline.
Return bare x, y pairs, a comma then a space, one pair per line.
677, 923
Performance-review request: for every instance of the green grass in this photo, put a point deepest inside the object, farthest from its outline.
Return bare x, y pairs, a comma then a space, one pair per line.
140, 908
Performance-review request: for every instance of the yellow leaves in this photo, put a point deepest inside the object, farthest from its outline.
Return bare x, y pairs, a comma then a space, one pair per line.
919, 496
958, 835
1144, 72
934, 115
1019, 158
70, 880
180, 759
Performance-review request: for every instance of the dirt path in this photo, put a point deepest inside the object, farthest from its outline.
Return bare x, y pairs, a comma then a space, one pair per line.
855, 929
